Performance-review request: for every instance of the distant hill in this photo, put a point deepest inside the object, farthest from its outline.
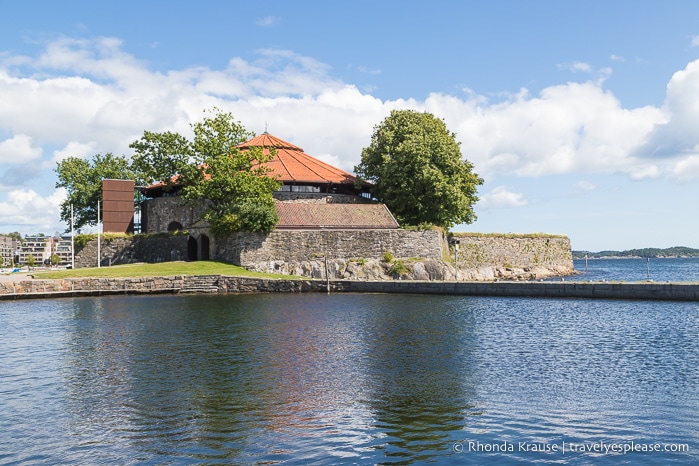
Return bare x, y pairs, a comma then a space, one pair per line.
676, 251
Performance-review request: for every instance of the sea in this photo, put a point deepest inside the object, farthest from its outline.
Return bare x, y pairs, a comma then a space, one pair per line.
680, 269
351, 378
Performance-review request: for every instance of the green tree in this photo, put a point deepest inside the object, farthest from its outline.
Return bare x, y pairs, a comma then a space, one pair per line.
237, 192
233, 184
82, 179
162, 156
417, 170
16, 235
31, 260
218, 135
55, 259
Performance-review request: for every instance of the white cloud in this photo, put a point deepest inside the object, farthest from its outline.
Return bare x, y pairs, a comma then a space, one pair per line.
687, 169
268, 21
576, 67
366, 69
695, 41
576, 127
28, 211
646, 172
18, 150
501, 197
584, 186
81, 97
72, 149
676, 133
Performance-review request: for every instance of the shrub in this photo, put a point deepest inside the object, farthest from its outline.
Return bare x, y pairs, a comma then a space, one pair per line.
387, 257
399, 269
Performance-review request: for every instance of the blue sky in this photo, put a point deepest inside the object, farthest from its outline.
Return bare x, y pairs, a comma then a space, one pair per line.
582, 117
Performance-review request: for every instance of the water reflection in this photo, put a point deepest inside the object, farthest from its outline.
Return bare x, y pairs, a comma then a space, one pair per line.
421, 375
222, 377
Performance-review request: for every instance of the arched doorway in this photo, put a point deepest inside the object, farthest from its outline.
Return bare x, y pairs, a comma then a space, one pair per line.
192, 249
204, 247
174, 226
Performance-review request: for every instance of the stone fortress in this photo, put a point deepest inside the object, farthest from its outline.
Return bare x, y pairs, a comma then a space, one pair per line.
328, 227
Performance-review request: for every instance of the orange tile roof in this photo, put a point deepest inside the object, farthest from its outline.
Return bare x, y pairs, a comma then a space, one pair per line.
292, 165
334, 216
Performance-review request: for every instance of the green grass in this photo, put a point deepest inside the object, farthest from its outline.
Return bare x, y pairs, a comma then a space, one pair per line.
162, 269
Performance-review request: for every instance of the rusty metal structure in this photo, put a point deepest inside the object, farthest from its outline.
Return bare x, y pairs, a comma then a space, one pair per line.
118, 206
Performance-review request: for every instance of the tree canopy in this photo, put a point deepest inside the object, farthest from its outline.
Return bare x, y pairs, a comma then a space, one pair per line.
83, 182
233, 183
417, 170
161, 156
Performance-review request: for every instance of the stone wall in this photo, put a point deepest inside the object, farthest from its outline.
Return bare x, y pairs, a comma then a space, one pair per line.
168, 214
301, 245
220, 284
47, 288
513, 251
356, 254
131, 249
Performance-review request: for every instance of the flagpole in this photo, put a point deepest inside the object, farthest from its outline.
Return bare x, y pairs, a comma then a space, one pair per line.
72, 238
99, 245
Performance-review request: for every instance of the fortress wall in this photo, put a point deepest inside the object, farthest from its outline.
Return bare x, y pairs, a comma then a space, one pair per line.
495, 250
355, 254
131, 249
301, 245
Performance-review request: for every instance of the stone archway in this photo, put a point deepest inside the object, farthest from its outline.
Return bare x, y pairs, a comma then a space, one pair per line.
192, 254
204, 247
174, 226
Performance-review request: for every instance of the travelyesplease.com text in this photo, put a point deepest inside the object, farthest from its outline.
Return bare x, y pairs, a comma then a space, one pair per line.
600, 447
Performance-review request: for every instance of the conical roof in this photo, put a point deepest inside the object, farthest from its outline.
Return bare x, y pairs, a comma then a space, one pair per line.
292, 165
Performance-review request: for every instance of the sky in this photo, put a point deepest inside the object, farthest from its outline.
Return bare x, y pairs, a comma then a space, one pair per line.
582, 117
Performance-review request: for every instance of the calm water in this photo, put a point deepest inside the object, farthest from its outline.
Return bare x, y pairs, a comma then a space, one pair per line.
346, 379
658, 270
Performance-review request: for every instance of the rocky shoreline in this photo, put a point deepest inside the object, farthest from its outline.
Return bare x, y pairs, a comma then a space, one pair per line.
430, 270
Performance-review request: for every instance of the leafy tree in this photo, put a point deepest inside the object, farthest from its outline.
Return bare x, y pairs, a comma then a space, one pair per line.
2, 261
218, 135
234, 185
83, 181
55, 259
31, 260
15, 235
417, 170
237, 192
162, 156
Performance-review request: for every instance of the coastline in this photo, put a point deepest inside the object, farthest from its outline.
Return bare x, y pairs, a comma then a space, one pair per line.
220, 284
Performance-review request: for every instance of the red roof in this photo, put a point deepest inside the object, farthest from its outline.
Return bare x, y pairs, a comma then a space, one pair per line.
334, 216
292, 165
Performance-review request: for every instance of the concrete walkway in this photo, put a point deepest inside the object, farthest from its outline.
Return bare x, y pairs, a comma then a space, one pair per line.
15, 277
26, 288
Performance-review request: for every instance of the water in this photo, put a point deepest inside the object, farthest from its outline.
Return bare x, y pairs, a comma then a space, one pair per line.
657, 270
347, 379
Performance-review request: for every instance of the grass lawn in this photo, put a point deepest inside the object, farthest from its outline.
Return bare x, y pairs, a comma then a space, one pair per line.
161, 269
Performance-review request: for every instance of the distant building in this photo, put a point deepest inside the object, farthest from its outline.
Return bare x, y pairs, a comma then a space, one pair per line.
64, 251
8, 248
40, 247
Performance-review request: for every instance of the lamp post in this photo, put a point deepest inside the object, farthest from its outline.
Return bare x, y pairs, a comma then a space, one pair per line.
455, 243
